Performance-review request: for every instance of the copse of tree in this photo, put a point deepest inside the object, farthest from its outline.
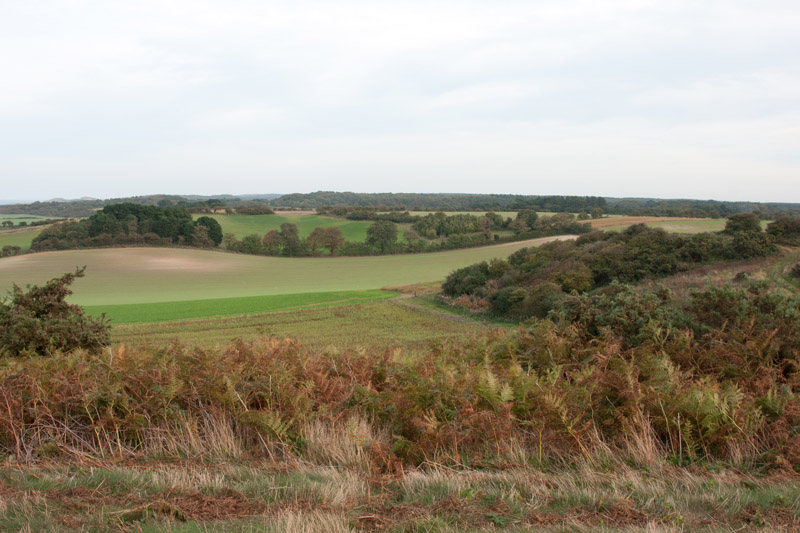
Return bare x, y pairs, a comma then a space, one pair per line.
130, 224
40, 321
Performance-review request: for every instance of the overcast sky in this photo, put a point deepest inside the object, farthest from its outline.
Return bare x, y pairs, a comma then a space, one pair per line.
671, 99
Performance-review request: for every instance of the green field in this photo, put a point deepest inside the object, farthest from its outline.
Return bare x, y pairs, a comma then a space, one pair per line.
21, 238
377, 324
220, 307
241, 225
116, 276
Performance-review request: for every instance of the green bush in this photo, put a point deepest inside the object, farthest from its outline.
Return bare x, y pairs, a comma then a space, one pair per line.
40, 321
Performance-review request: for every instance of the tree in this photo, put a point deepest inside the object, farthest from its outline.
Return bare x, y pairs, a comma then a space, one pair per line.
214, 229
596, 213
742, 223
251, 244
529, 216
290, 239
316, 239
272, 242
230, 241
518, 225
382, 234
333, 239
200, 237
40, 321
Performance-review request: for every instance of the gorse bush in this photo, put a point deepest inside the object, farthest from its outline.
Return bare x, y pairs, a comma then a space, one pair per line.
40, 321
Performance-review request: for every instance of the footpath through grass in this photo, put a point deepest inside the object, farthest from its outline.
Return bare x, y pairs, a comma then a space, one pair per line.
222, 307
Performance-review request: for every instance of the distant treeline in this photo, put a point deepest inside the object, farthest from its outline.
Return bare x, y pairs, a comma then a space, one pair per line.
442, 202
387, 206
86, 208
697, 208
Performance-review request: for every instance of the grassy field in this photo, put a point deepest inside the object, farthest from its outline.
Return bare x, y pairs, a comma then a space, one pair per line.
147, 275
376, 324
241, 225
672, 225
16, 219
504, 214
221, 307
21, 238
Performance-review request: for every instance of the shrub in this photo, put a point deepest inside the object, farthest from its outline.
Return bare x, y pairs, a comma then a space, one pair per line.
40, 321
466, 280
785, 230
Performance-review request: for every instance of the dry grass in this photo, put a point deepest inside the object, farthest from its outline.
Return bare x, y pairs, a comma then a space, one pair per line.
609, 493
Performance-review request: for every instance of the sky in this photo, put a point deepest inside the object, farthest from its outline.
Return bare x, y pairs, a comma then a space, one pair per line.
624, 98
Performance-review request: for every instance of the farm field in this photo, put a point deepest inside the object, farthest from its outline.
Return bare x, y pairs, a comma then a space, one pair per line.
19, 237
16, 219
504, 214
376, 324
116, 276
670, 224
241, 225
221, 307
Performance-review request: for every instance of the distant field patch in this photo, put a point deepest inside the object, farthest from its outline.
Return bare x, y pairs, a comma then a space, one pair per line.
670, 224
116, 276
220, 307
241, 225
504, 214
22, 238
16, 219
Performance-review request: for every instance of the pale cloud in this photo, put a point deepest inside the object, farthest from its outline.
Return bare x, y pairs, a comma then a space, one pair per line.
616, 97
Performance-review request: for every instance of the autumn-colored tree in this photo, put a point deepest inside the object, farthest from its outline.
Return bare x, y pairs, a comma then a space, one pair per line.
333, 239
316, 239
272, 242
